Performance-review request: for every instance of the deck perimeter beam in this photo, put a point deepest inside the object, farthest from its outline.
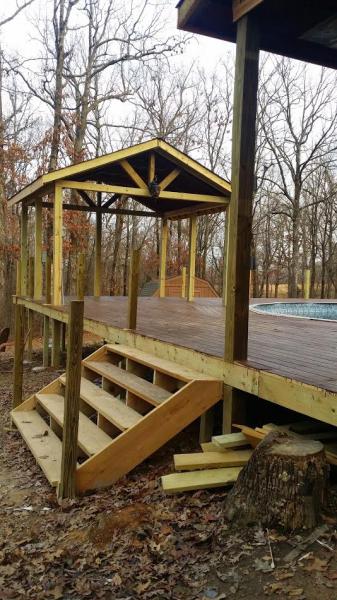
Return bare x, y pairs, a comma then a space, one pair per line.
240, 207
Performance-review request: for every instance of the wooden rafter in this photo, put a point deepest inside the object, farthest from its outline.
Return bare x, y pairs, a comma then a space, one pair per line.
152, 167
169, 179
136, 178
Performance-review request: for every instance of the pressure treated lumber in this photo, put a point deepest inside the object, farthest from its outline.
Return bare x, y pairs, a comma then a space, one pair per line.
56, 344
91, 439
240, 207
98, 248
80, 276
152, 432
19, 315
192, 247
211, 460
105, 404
285, 483
169, 367
163, 254
133, 288
138, 386
67, 488
42, 442
198, 480
38, 250
24, 250
230, 440
57, 246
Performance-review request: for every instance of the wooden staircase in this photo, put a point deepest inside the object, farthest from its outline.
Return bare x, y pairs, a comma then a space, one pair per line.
131, 404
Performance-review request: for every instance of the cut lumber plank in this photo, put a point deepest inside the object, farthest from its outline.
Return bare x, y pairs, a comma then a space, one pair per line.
159, 364
211, 460
107, 405
252, 436
210, 447
198, 480
42, 442
140, 387
91, 439
230, 440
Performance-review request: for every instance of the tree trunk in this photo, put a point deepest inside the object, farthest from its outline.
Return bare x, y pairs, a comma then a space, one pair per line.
285, 483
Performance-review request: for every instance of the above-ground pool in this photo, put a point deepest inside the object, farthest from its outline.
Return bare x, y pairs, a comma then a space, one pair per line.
306, 310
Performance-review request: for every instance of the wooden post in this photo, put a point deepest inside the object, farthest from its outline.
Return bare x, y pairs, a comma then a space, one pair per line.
98, 248
38, 251
240, 207
163, 254
192, 253
30, 324
46, 323
24, 249
80, 280
18, 277
56, 344
225, 253
57, 247
19, 316
183, 282
307, 275
67, 487
133, 289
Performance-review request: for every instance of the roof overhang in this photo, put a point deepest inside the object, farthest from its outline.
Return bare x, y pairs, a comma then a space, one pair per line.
301, 29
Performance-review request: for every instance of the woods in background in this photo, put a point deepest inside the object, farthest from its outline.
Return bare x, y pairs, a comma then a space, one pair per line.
109, 74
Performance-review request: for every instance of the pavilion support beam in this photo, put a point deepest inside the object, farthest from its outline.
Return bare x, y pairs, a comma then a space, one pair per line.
24, 250
191, 260
57, 247
98, 248
239, 228
163, 256
183, 282
38, 251
240, 208
152, 167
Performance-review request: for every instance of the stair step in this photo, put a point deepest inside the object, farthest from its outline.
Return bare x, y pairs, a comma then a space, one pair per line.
91, 439
154, 362
140, 387
42, 441
108, 406
199, 480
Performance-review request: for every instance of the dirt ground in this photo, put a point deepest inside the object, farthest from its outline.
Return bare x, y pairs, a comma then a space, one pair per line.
132, 541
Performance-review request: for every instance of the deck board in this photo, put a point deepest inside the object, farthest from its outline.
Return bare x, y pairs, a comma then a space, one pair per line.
301, 349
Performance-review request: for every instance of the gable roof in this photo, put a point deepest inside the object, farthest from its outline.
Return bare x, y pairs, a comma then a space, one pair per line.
184, 181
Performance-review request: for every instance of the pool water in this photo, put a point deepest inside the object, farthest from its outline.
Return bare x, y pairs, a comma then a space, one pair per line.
307, 310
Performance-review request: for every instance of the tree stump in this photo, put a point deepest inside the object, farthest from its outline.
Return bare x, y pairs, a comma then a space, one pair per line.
285, 483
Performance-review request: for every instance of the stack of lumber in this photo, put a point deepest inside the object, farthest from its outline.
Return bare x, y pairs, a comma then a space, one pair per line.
220, 462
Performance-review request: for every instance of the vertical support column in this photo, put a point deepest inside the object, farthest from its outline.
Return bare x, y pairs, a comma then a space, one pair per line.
38, 250
98, 248
24, 249
307, 276
191, 260
225, 254
240, 208
18, 353
67, 487
163, 255
46, 324
56, 343
183, 282
80, 279
57, 247
30, 325
133, 289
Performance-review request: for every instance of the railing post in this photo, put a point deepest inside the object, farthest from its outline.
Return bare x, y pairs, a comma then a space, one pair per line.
30, 325
133, 289
67, 487
183, 283
307, 275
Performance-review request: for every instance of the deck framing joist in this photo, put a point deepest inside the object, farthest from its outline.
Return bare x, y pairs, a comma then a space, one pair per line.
303, 398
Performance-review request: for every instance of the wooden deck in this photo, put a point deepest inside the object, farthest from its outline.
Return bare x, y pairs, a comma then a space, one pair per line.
300, 349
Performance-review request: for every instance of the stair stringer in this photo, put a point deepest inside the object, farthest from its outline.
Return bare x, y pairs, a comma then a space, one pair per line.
136, 444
